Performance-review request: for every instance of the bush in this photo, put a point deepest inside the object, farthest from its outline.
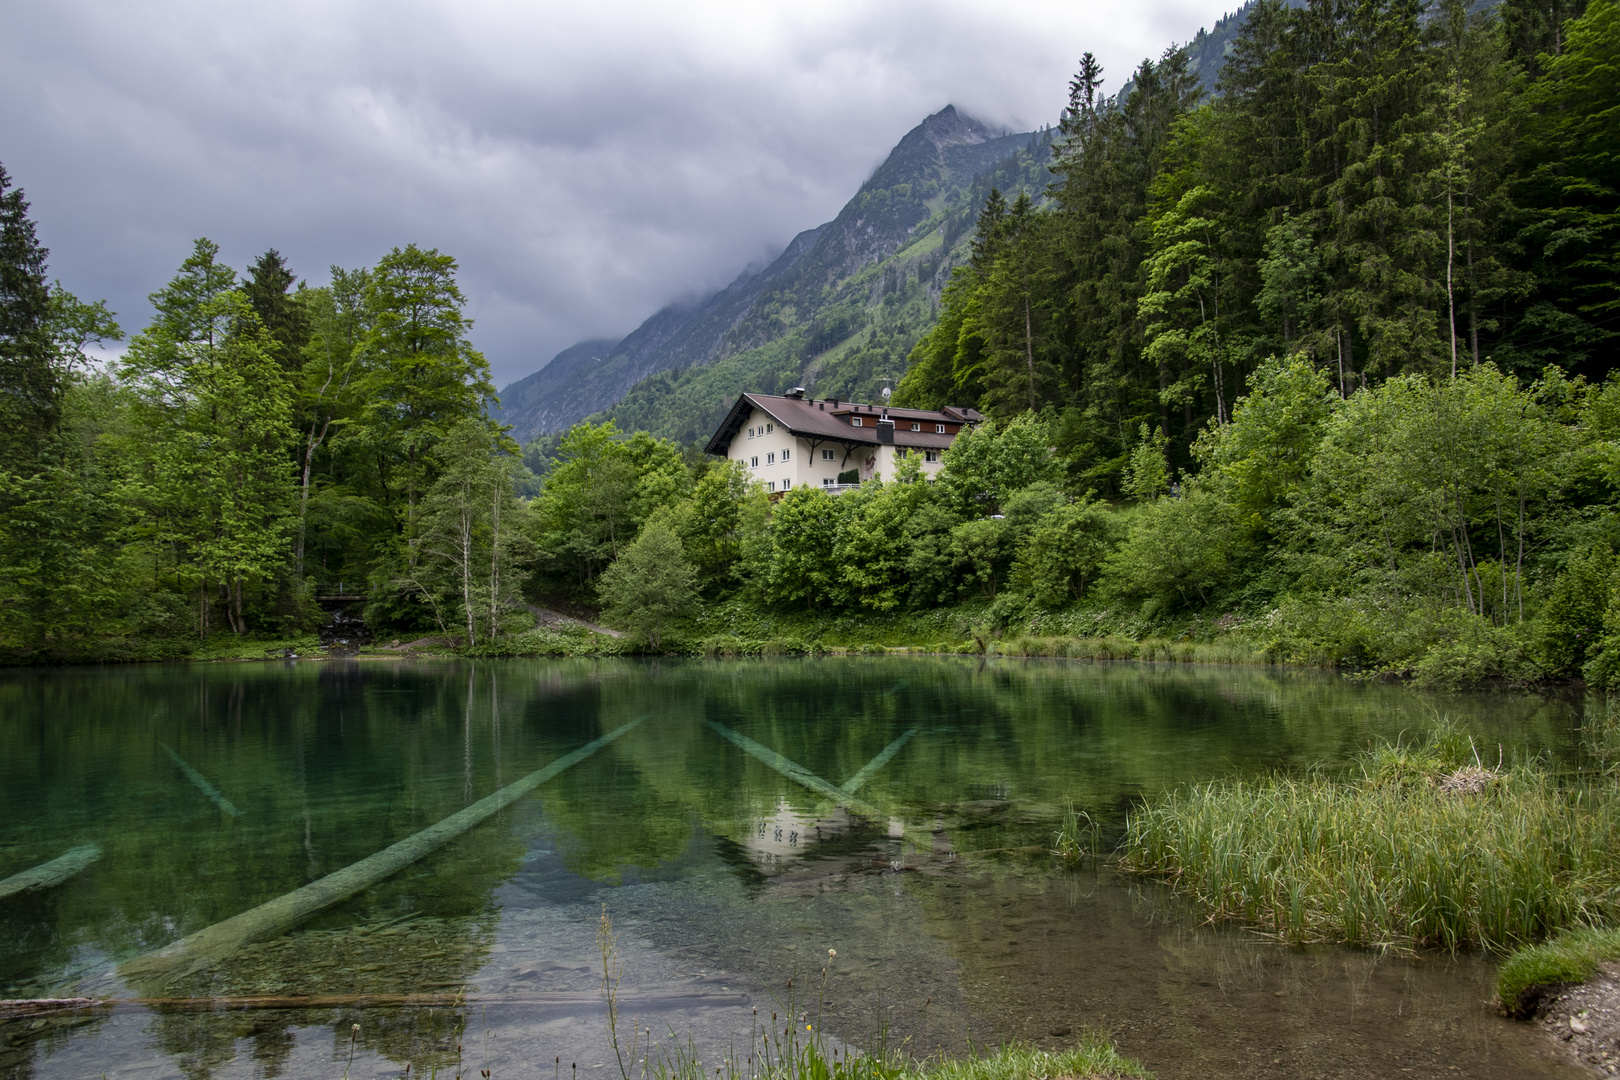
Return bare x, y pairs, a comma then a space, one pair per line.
1178, 552
1572, 619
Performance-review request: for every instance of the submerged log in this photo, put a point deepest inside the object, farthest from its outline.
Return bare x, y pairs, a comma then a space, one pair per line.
214, 794
578, 1002
47, 875
12, 1009
798, 773
858, 781
195, 952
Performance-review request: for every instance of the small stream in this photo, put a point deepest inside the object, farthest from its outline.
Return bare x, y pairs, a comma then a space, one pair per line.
727, 872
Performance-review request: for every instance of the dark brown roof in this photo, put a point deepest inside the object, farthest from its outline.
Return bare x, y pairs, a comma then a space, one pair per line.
827, 420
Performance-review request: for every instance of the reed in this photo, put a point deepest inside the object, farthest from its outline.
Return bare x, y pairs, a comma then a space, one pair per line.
1418, 846
1078, 838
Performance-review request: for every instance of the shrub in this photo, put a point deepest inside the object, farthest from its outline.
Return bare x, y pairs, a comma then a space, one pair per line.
1572, 619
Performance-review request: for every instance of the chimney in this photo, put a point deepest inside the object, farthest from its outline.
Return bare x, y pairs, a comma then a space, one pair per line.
885, 430
796, 392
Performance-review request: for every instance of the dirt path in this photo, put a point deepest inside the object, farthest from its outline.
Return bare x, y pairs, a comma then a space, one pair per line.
556, 619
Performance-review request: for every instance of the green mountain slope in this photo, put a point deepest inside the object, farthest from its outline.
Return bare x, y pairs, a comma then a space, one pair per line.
843, 318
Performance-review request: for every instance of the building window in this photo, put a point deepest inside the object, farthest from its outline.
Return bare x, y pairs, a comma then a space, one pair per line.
828, 455
750, 433
855, 421
930, 455
916, 427
753, 462
827, 481
770, 427
785, 454
770, 485
786, 484
770, 459
939, 429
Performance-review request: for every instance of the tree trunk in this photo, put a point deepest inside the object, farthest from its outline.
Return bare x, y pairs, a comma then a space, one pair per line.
1451, 296
494, 554
466, 569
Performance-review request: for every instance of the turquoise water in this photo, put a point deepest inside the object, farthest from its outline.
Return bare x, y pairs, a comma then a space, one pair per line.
211, 789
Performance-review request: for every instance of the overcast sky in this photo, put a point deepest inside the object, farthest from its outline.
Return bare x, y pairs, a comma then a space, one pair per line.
585, 162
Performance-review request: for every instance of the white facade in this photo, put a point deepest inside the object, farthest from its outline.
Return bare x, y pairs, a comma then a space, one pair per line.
783, 461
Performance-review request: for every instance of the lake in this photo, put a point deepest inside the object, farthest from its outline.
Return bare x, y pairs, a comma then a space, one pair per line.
754, 816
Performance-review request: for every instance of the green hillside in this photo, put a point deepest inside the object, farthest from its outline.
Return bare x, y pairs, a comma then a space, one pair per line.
839, 333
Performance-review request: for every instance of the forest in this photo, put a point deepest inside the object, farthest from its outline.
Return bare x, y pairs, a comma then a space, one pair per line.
1320, 364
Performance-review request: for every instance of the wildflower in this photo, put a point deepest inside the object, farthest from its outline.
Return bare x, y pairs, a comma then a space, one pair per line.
832, 952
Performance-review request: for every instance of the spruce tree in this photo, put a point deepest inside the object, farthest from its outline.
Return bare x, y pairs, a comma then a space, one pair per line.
269, 288
30, 382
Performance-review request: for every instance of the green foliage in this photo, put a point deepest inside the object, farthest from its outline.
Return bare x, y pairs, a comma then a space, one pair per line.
30, 383
1177, 553
1572, 140
468, 540
210, 431
595, 496
1064, 552
804, 533
1148, 474
650, 588
987, 464
1572, 620
421, 374
1262, 458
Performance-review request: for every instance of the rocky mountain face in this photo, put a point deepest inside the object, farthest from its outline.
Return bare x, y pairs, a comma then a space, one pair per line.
918, 193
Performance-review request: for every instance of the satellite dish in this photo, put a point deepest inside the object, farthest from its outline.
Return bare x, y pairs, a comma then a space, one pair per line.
886, 393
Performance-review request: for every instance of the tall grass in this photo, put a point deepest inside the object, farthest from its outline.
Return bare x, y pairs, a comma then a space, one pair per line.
1419, 846
1110, 647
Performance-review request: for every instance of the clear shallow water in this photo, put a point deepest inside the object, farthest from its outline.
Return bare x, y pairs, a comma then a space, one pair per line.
725, 877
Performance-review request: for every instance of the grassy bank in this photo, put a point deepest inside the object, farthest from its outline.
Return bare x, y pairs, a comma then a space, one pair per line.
1571, 957
1424, 845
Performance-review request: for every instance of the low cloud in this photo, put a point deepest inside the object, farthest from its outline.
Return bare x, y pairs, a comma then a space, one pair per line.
585, 163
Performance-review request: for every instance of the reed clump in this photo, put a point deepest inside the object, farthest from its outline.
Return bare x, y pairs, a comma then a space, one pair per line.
1112, 647
1078, 838
1420, 845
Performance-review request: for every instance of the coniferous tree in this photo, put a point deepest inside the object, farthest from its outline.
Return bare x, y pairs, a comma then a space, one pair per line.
269, 288
1572, 234
1533, 29
30, 382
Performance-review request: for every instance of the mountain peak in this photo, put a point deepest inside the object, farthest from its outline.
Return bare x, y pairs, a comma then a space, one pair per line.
951, 127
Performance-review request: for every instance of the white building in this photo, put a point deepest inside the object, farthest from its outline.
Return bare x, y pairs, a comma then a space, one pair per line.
791, 440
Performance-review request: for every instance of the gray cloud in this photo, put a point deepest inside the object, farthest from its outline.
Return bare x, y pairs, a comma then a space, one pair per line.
585, 163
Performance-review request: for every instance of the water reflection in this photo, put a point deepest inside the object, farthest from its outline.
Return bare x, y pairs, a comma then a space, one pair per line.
897, 809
